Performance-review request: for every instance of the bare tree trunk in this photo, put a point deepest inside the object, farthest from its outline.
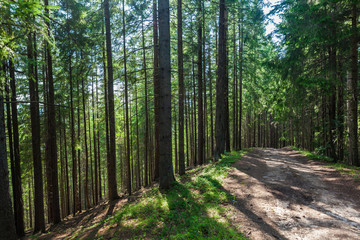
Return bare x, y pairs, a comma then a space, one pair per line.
181, 88
241, 47
166, 172
200, 91
156, 89
111, 161
7, 228
15, 169
146, 163
73, 151
128, 172
353, 101
52, 168
211, 104
87, 198
35, 137
220, 87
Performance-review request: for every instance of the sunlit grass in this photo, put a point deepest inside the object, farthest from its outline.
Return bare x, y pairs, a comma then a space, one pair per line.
191, 210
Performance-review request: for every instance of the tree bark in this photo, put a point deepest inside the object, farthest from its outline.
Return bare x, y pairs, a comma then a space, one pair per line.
146, 163
165, 159
7, 228
353, 101
181, 87
111, 160
16, 169
200, 91
73, 151
87, 198
220, 87
35, 138
156, 89
52, 168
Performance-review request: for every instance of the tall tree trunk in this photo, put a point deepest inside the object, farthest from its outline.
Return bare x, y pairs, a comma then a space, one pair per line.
87, 198
181, 88
128, 172
241, 47
353, 101
16, 169
166, 172
156, 89
111, 160
96, 160
79, 143
7, 228
73, 151
200, 91
340, 114
211, 104
227, 120
67, 175
35, 137
220, 87
332, 102
195, 155
146, 163
52, 168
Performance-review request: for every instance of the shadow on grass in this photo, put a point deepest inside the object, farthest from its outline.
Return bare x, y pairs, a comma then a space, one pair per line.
176, 214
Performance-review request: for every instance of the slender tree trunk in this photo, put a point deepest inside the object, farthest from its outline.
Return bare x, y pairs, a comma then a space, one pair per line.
36, 145
87, 198
96, 187
211, 103
166, 172
181, 88
111, 160
241, 47
67, 175
176, 142
52, 168
227, 120
234, 97
156, 89
187, 131
195, 160
353, 83
128, 172
332, 102
7, 228
220, 87
79, 143
73, 151
62, 167
16, 169
92, 189
340, 114
138, 178
146, 163
200, 91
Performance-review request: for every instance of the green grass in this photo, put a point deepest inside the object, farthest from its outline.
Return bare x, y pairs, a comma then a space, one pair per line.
343, 168
188, 211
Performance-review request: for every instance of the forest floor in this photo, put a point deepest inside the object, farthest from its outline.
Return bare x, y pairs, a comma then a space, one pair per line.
280, 194
264, 194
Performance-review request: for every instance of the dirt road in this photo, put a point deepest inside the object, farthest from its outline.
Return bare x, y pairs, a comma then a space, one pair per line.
279, 194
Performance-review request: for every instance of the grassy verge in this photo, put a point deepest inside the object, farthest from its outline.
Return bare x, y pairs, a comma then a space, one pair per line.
191, 210
343, 168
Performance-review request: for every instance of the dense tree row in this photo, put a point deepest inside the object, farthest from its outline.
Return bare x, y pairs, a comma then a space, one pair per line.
102, 98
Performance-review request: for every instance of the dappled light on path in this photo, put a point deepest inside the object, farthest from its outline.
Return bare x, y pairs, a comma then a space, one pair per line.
279, 194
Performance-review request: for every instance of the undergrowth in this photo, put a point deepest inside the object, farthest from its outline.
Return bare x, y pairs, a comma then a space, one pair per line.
343, 168
188, 211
